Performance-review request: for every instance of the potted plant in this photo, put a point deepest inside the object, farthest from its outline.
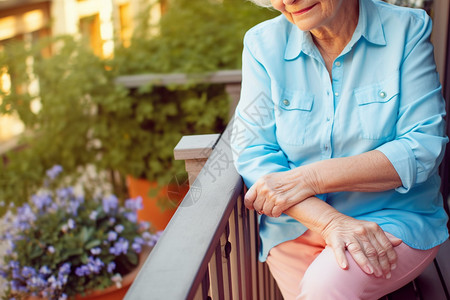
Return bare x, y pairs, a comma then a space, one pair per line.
71, 242
79, 116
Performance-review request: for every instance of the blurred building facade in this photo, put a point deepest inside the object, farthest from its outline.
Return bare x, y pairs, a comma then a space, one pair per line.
101, 23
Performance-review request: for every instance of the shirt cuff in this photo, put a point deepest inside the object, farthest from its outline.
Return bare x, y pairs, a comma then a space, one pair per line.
403, 160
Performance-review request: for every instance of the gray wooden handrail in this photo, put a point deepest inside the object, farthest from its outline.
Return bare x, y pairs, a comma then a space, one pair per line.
135, 81
176, 266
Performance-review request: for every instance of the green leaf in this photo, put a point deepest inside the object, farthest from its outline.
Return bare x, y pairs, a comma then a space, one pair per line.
92, 244
36, 252
133, 258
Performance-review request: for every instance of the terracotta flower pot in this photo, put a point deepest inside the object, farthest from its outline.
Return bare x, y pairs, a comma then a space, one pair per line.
152, 212
112, 292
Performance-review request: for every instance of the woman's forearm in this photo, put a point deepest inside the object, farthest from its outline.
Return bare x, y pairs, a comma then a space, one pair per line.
274, 193
367, 172
314, 213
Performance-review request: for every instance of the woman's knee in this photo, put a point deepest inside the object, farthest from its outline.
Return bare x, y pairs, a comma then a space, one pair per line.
324, 279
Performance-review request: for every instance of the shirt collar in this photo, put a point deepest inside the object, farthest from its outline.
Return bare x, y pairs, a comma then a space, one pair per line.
369, 26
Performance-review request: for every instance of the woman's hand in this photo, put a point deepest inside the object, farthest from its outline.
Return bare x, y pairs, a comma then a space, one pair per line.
367, 243
273, 193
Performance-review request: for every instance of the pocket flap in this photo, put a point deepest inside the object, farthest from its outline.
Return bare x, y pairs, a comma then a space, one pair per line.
377, 93
296, 100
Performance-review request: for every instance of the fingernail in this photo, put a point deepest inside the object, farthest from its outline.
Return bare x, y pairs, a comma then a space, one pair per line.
388, 275
369, 269
393, 267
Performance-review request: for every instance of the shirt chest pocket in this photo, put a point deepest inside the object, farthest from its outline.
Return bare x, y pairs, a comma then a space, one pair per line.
378, 109
293, 113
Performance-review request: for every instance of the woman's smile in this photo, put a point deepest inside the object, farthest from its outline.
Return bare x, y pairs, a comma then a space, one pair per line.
303, 11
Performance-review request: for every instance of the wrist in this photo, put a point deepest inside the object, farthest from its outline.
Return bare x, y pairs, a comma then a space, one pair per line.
309, 180
330, 223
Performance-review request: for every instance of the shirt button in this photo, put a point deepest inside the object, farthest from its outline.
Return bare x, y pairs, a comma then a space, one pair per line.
382, 94
286, 102
336, 94
337, 64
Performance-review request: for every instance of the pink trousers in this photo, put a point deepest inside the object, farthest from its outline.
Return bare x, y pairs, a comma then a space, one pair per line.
305, 268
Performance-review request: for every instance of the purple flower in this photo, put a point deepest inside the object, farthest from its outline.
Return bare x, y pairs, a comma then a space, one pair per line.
95, 265
131, 216
147, 236
41, 201
13, 264
65, 193
136, 247
15, 285
144, 225
54, 171
16, 273
139, 240
51, 249
36, 281
73, 208
151, 239
110, 203
28, 272
93, 215
56, 283
64, 269
112, 236
82, 271
96, 251
121, 246
25, 216
44, 270
111, 266
71, 224
119, 228
134, 204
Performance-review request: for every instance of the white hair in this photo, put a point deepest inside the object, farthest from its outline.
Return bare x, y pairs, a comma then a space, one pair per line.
263, 3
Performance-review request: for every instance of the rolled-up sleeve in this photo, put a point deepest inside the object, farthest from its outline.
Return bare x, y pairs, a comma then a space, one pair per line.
254, 143
420, 141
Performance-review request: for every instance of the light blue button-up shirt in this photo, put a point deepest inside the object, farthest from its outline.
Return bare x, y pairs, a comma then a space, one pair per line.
384, 94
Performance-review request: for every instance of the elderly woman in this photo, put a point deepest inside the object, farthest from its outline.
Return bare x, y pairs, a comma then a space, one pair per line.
338, 135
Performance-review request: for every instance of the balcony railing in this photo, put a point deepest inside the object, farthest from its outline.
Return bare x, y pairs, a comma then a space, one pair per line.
209, 248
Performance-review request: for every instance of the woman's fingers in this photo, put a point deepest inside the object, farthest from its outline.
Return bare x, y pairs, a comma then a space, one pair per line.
377, 257
395, 241
386, 252
360, 257
339, 254
366, 242
250, 197
267, 208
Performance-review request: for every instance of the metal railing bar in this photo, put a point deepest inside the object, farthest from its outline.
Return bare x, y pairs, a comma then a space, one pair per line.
235, 254
243, 262
226, 248
248, 254
260, 275
216, 272
206, 286
252, 219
